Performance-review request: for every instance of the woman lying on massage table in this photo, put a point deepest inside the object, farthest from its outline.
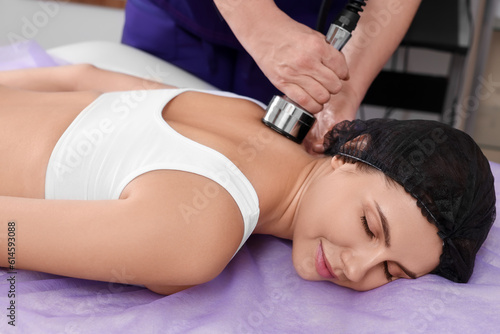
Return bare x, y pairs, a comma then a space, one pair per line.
103, 172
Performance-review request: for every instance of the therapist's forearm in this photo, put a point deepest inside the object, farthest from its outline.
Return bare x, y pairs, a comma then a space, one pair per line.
247, 19
382, 26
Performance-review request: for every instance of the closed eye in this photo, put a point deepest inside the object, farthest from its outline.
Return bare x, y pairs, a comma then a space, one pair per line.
366, 227
364, 222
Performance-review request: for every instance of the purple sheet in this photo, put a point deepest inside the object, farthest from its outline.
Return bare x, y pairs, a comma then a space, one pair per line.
25, 55
259, 292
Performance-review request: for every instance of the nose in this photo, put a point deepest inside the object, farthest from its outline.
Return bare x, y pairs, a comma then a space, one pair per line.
357, 263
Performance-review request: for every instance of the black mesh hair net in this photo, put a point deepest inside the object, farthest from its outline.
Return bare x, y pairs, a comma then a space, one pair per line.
441, 167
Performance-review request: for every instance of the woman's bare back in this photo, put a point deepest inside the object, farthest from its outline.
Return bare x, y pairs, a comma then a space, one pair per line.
30, 125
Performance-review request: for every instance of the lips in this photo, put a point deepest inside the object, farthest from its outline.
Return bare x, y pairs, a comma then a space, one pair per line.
322, 266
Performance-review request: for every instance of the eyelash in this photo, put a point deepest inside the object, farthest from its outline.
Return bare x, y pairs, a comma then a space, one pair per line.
367, 229
371, 235
386, 271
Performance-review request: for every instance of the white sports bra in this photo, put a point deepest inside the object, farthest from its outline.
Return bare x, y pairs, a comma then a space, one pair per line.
122, 135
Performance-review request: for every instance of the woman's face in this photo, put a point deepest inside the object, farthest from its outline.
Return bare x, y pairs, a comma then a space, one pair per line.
356, 229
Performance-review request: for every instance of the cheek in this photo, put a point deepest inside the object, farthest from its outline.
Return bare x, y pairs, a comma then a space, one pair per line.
366, 286
372, 280
310, 215
324, 204
303, 261
336, 220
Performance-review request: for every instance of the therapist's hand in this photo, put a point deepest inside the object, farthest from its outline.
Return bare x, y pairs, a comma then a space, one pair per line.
298, 61
340, 107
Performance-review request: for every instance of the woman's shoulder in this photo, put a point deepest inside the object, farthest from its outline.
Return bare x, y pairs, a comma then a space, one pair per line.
197, 215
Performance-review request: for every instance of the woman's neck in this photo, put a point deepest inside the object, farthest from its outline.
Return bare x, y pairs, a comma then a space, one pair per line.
280, 204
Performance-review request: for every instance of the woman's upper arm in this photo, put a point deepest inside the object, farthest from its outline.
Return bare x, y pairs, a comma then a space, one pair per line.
141, 240
85, 239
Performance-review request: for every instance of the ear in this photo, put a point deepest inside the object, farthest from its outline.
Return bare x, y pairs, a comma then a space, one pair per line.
360, 143
337, 162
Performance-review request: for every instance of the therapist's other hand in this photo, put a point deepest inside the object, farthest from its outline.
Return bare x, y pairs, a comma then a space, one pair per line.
340, 107
298, 61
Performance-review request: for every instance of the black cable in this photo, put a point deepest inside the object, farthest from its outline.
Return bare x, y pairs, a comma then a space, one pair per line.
323, 14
